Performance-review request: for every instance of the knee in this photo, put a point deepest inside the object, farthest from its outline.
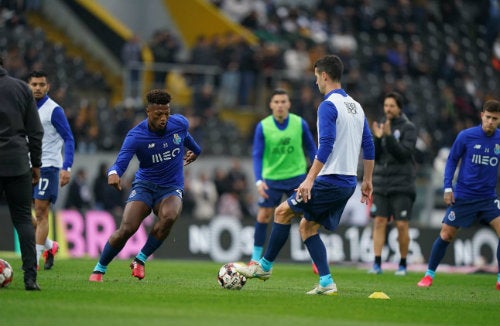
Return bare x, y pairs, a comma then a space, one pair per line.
41, 214
167, 219
125, 232
282, 214
379, 223
307, 229
447, 236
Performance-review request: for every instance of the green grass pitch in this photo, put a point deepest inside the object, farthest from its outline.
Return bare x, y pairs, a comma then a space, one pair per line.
186, 293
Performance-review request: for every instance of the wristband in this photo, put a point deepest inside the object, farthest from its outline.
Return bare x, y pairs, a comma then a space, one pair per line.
259, 182
112, 172
446, 190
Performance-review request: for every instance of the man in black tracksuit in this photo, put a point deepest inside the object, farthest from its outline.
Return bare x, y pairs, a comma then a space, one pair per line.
21, 134
393, 179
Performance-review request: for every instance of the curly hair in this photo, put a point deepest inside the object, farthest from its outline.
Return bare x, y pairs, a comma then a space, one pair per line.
158, 96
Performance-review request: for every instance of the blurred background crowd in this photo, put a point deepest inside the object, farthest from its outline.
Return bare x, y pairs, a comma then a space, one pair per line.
443, 56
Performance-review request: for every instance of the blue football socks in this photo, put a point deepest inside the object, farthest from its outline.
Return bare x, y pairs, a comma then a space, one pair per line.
100, 268
108, 253
266, 264
317, 250
326, 280
149, 247
257, 253
259, 238
430, 273
142, 257
279, 236
437, 253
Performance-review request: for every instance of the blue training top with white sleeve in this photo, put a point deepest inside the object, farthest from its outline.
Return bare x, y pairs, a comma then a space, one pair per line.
160, 154
479, 155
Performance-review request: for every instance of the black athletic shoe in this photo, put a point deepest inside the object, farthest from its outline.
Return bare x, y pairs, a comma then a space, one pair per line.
31, 285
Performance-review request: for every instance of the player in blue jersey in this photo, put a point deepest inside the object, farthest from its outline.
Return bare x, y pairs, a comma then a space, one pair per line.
56, 170
473, 197
321, 198
163, 146
281, 142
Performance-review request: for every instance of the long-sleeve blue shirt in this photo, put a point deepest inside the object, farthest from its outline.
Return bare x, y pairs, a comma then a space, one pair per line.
160, 154
57, 133
478, 155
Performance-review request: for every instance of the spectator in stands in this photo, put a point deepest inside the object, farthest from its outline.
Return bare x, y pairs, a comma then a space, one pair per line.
297, 62
165, 48
131, 56
79, 193
205, 196
105, 197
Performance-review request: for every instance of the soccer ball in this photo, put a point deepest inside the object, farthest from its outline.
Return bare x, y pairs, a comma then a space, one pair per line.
229, 278
6, 273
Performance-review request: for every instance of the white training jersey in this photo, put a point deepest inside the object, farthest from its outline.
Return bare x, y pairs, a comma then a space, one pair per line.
52, 141
344, 156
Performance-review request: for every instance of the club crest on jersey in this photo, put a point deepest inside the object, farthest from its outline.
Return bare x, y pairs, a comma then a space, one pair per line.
451, 216
177, 139
497, 149
351, 108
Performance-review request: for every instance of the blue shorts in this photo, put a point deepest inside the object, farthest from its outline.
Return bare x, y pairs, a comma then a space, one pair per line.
276, 190
465, 211
48, 186
326, 205
150, 193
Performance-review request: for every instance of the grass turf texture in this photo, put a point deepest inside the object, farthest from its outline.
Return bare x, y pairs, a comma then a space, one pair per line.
187, 293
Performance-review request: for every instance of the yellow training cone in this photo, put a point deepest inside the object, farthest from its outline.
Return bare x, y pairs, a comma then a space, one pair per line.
378, 295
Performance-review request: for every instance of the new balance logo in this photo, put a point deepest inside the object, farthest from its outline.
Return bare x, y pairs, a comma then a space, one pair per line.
152, 145
478, 146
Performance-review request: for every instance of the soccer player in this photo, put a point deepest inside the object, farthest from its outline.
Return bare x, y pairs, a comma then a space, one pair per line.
55, 171
159, 143
394, 177
279, 161
473, 197
321, 198
21, 134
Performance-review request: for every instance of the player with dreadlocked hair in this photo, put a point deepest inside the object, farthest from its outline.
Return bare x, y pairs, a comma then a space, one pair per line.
163, 146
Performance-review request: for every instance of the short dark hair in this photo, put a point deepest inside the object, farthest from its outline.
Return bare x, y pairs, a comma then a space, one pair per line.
37, 74
397, 97
491, 106
332, 65
158, 96
278, 91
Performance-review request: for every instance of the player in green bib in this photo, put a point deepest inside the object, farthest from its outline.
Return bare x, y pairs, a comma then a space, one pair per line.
283, 146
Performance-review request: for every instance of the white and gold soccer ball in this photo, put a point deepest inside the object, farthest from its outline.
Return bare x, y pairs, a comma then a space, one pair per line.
229, 278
